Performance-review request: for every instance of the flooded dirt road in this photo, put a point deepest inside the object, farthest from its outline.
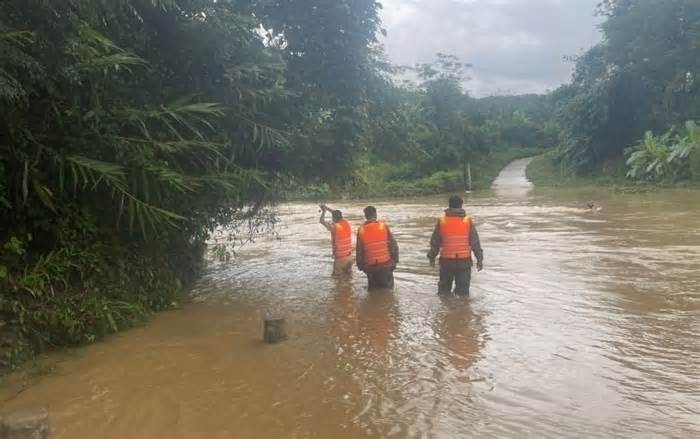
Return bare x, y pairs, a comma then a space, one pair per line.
582, 325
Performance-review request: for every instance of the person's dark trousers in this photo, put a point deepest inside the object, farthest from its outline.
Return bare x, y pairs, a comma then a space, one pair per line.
457, 271
380, 278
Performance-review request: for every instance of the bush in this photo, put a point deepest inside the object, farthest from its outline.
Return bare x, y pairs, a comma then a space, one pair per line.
669, 157
384, 179
87, 287
308, 191
118, 157
694, 164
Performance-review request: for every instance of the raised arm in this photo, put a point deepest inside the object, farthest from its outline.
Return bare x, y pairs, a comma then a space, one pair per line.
327, 224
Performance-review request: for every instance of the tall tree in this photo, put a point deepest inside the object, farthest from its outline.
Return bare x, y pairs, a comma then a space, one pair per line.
329, 49
644, 75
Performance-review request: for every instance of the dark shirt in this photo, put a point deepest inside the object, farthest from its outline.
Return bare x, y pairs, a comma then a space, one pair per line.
474, 242
393, 251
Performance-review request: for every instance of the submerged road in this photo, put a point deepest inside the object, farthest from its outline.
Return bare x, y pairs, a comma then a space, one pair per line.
582, 325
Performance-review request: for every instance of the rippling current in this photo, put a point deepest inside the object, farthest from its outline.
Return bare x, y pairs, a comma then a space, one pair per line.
583, 324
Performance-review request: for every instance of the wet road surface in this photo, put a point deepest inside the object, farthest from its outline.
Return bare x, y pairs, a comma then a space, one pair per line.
583, 324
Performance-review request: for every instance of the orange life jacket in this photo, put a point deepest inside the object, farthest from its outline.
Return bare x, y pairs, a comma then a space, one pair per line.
374, 238
342, 239
454, 233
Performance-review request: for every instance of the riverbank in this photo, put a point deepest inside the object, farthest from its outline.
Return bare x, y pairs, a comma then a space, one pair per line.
544, 171
70, 299
381, 179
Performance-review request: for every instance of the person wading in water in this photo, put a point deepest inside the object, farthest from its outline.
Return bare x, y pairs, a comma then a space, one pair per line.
377, 251
341, 239
455, 239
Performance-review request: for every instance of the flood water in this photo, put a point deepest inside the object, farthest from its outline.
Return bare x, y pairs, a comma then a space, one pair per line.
583, 324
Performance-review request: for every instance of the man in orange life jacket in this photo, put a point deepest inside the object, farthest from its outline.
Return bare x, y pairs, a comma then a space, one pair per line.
377, 251
455, 239
341, 239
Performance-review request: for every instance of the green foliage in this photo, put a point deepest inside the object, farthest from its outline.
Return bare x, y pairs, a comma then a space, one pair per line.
650, 159
549, 170
665, 158
694, 165
642, 77
332, 65
131, 129
404, 179
419, 133
686, 143
437, 183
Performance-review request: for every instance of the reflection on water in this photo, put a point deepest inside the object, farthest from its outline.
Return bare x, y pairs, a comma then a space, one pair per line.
584, 324
457, 329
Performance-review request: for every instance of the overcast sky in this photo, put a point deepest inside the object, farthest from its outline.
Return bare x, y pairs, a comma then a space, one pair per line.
515, 46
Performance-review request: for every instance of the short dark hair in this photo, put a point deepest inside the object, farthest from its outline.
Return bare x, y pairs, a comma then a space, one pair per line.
337, 215
370, 212
456, 202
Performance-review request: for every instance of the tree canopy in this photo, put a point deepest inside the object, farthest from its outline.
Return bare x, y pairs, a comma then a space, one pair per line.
131, 129
643, 76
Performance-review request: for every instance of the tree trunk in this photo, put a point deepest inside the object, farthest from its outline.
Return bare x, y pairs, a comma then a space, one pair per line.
467, 175
465, 180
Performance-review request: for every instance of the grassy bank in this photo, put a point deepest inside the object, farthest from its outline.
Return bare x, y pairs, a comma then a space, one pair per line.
83, 293
386, 180
379, 179
546, 171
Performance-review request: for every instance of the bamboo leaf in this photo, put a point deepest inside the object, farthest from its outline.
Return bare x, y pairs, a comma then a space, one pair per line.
45, 195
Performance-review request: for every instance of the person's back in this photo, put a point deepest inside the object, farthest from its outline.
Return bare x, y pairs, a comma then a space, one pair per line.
455, 239
377, 251
341, 240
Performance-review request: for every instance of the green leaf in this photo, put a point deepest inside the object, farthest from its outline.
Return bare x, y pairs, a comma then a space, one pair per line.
45, 195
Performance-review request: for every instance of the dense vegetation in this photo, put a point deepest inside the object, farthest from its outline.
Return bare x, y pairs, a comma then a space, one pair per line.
131, 129
643, 77
430, 136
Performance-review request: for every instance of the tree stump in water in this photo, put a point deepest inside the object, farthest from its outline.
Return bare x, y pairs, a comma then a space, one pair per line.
26, 425
274, 330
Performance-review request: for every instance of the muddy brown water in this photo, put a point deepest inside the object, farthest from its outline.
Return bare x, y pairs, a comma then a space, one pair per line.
582, 325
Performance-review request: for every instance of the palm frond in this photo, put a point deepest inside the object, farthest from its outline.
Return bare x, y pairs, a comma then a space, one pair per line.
173, 179
18, 38
13, 59
10, 88
96, 52
90, 175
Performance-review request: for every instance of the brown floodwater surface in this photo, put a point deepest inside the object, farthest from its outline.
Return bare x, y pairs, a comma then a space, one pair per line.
583, 324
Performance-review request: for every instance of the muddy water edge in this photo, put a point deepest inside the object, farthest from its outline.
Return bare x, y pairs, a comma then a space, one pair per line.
584, 324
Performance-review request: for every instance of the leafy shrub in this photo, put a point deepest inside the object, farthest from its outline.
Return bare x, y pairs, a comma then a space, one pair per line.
667, 157
694, 164
116, 161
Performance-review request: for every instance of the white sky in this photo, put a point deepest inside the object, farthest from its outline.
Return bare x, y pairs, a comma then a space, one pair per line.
515, 46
